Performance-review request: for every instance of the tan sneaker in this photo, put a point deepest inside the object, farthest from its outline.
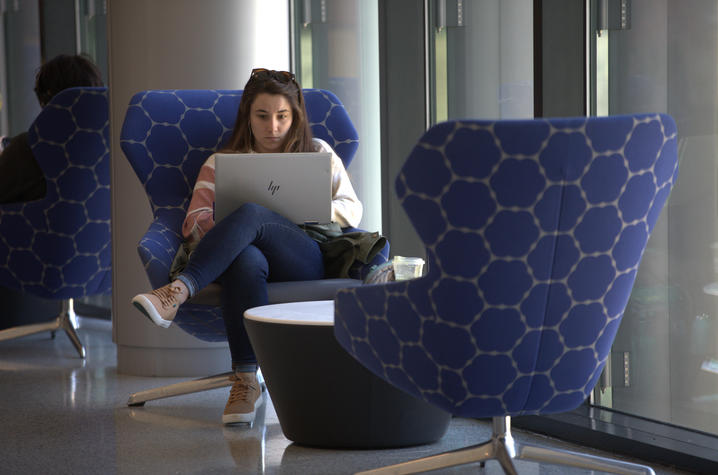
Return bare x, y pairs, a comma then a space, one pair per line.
161, 304
244, 399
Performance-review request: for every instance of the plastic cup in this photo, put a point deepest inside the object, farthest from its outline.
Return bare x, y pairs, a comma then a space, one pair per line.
407, 267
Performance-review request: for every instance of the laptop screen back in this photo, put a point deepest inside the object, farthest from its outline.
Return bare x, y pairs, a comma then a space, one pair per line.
296, 185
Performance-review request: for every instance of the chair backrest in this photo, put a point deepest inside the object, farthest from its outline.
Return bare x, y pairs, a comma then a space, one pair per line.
534, 230
167, 136
59, 246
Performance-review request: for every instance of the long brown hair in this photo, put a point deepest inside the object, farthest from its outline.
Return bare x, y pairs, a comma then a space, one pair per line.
299, 136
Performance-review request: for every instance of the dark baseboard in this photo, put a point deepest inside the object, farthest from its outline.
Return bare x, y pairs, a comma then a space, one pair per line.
24, 309
93, 311
631, 436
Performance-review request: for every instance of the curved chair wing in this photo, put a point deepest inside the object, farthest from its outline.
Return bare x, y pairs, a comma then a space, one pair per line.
534, 230
59, 247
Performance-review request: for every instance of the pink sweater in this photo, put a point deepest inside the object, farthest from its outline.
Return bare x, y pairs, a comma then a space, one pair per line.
346, 208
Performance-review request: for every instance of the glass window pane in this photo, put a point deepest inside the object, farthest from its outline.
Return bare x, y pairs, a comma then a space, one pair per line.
22, 58
664, 362
92, 26
337, 48
481, 55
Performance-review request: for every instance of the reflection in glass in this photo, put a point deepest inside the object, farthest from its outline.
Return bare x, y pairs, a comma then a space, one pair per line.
481, 59
336, 47
664, 363
602, 73
92, 32
32, 31
21, 25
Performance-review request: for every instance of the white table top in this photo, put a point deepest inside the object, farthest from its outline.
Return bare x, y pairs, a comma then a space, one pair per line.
320, 312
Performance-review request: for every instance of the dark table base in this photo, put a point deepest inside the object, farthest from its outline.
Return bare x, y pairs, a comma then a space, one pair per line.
325, 398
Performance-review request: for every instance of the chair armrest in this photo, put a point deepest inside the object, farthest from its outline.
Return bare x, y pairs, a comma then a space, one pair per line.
157, 249
355, 306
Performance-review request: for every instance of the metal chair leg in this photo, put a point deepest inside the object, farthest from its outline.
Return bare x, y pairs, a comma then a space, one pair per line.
495, 448
502, 448
587, 461
178, 389
476, 453
66, 320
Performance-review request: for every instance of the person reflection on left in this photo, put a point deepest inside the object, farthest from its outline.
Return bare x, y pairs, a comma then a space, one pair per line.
21, 178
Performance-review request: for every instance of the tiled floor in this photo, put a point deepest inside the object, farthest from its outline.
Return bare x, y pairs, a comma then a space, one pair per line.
60, 414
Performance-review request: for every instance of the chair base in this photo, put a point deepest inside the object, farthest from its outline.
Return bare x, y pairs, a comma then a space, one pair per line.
504, 450
178, 389
66, 320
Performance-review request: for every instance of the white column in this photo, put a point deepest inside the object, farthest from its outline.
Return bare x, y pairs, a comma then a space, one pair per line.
367, 170
174, 44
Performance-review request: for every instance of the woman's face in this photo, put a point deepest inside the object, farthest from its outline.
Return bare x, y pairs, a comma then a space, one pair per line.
270, 118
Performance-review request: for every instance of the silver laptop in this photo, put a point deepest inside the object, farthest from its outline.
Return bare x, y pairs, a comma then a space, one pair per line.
296, 185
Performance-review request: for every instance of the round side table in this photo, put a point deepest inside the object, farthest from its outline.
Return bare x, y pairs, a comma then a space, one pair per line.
323, 396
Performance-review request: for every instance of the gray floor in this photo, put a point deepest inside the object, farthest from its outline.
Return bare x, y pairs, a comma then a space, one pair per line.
60, 414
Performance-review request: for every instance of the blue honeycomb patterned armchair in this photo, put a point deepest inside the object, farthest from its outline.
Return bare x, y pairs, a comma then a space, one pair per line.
167, 136
534, 230
58, 247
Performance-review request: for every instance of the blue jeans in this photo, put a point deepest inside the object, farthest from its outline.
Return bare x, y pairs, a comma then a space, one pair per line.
244, 251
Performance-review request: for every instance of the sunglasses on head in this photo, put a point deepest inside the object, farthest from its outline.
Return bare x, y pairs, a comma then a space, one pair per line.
282, 76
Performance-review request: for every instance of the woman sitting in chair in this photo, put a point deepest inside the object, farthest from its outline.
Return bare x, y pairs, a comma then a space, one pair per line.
252, 245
